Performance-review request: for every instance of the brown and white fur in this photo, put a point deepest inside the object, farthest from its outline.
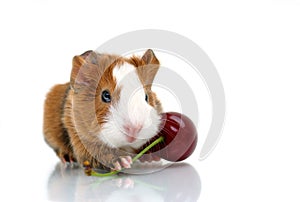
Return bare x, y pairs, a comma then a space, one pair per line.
81, 127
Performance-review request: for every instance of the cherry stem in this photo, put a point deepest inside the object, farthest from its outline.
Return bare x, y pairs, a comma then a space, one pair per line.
158, 140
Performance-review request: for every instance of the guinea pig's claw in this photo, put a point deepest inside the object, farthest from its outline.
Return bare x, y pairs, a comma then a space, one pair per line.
123, 162
126, 161
67, 158
117, 166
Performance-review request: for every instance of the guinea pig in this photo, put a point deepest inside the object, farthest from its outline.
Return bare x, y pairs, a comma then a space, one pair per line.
106, 112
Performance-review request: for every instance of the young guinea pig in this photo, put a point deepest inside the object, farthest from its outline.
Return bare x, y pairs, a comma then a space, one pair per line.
106, 112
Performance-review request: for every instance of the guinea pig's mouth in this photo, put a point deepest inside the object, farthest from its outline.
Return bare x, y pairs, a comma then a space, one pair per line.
131, 132
130, 139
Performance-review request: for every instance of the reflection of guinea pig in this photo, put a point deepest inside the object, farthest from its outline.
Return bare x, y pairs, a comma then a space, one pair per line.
106, 112
179, 182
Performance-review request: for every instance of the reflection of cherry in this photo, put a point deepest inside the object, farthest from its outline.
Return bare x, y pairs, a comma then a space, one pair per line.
180, 137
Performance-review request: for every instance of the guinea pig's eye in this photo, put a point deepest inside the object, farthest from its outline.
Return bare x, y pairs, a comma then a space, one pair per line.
106, 96
146, 98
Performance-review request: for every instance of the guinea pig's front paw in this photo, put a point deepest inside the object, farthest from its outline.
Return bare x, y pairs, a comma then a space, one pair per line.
66, 156
122, 162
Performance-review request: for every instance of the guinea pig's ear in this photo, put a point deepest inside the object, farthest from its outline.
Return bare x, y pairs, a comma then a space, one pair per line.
84, 66
149, 57
150, 67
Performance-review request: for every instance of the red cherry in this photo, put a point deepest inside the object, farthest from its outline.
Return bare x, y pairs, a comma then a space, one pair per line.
180, 137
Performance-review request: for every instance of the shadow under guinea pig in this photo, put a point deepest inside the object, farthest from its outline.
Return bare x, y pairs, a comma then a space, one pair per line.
178, 182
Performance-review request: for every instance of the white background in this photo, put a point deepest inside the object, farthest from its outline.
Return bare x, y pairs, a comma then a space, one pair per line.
255, 46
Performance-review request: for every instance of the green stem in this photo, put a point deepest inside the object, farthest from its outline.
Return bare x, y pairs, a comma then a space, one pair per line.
158, 140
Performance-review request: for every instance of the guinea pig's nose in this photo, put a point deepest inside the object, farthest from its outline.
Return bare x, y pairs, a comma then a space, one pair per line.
132, 131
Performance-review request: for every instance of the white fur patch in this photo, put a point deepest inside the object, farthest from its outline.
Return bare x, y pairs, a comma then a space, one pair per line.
131, 109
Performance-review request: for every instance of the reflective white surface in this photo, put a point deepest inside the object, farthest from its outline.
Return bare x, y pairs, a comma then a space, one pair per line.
180, 182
